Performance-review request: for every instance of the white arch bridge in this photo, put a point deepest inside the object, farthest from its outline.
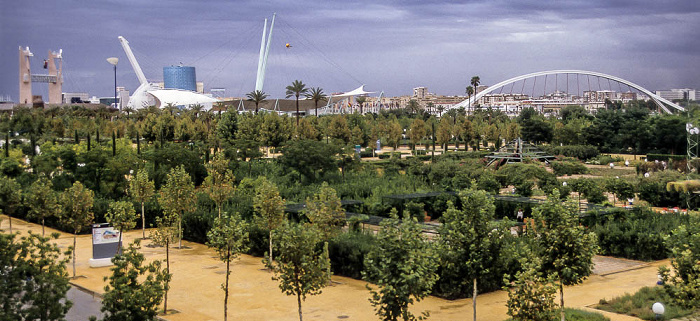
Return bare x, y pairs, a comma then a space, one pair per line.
659, 101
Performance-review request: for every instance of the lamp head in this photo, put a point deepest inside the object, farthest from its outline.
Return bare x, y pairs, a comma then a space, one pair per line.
113, 60
658, 308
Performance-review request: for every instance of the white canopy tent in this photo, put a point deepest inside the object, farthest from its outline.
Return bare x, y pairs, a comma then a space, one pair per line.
179, 97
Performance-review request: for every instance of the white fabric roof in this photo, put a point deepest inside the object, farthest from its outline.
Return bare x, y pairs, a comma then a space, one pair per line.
180, 97
359, 91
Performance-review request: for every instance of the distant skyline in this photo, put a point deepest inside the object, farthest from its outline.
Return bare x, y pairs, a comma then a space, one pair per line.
390, 46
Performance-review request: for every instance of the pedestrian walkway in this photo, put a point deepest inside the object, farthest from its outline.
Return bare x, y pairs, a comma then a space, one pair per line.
197, 295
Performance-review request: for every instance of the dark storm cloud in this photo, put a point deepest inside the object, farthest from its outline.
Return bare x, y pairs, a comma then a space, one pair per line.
390, 45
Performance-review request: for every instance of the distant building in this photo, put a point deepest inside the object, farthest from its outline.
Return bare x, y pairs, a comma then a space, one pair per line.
180, 77
678, 94
420, 92
75, 98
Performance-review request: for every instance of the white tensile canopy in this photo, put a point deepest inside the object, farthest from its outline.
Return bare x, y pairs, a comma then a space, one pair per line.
357, 92
180, 97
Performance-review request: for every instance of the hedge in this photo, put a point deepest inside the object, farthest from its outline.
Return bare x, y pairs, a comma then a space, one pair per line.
665, 157
568, 168
582, 152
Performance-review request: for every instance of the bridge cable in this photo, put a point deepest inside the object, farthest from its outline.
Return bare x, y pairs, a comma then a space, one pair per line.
578, 86
523, 89
544, 90
533, 86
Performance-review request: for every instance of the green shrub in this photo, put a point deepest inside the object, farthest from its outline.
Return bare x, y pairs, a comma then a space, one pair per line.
347, 253
665, 157
637, 234
639, 304
568, 168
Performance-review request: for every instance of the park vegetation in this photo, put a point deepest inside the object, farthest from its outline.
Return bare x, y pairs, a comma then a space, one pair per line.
232, 180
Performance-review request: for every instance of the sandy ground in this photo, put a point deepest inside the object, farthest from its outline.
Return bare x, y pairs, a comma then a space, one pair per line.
198, 274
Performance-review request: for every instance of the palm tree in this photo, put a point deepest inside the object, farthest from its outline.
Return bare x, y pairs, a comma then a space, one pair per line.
257, 97
296, 89
469, 92
316, 94
475, 83
361, 101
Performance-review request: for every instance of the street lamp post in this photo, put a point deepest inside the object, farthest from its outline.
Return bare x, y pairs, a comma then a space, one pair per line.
114, 61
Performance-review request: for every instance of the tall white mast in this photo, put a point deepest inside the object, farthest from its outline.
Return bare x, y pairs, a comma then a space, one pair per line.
264, 52
132, 60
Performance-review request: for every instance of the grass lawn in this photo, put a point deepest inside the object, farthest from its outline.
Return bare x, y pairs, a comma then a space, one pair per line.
639, 304
579, 315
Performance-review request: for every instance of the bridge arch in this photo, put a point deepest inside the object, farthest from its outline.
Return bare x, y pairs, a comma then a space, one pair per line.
659, 101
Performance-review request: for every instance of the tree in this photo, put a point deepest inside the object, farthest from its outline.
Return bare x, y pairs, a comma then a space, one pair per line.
564, 246
301, 267
122, 216
33, 278
324, 212
219, 184
166, 233
393, 133
141, 189
684, 285
475, 81
296, 89
316, 94
256, 96
10, 196
444, 132
469, 91
227, 127
402, 265
621, 188
309, 158
42, 201
77, 211
228, 237
269, 207
417, 132
135, 289
530, 295
177, 196
468, 242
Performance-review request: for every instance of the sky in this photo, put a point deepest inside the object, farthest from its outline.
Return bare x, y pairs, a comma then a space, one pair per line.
390, 46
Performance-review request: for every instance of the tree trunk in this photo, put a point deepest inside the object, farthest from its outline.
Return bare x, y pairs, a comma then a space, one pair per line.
9, 218
297, 110
143, 221
299, 303
228, 271
474, 299
219, 211
179, 222
270, 249
42, 227
74, 236
119, 245
167, 268
561, 297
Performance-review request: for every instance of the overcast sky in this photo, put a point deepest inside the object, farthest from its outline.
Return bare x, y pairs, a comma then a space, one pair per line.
390, 46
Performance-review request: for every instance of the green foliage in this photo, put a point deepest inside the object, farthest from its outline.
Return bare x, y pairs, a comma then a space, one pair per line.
665, 157
33, 278
530, 294
639, 304
10, 196
324, 212
684, 285
228, 237
347, 252
177, 196
301, 268
309, 158
564, 246
76, 213
626, 233
470, 247
561, 168
122, 216
269, 207
42, 201
588, 188
135, 289
402, 265
219, 184
141, 189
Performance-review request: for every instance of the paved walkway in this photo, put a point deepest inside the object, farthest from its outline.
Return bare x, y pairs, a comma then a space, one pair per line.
196, 293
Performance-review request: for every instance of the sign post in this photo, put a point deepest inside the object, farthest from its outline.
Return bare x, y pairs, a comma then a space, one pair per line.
105, 243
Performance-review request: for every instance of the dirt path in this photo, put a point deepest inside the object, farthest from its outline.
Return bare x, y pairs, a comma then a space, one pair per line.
198, 275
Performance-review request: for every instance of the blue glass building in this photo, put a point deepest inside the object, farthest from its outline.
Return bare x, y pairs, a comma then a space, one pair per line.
180, 77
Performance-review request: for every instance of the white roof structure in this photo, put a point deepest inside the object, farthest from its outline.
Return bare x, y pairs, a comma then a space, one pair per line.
359, 91
179, 97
